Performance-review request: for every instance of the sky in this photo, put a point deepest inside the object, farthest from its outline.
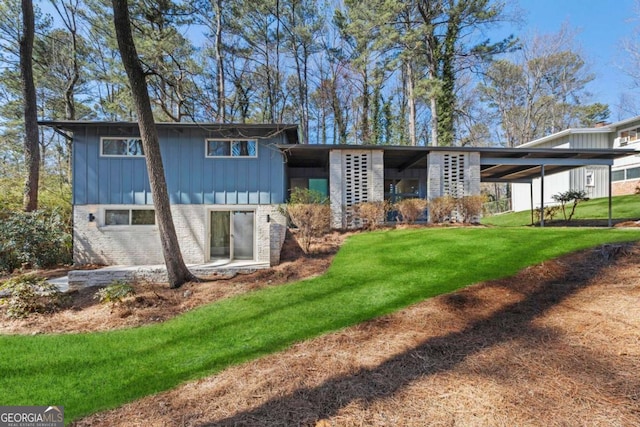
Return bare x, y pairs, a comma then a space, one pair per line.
601, 26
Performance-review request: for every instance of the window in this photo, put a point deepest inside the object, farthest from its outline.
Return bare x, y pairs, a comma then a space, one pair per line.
129, 217
628, 136
232, 148
589, 178
122, 147
633, 173
617, 175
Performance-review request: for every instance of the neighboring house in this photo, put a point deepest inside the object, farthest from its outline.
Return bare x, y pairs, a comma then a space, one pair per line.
227, 184
593, 179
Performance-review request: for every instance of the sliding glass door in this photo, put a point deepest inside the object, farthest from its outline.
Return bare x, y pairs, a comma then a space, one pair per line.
232, 235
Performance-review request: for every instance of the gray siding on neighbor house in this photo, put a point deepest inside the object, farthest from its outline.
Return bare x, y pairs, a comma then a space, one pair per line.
191, 177
600, 186
590, 141
579, 141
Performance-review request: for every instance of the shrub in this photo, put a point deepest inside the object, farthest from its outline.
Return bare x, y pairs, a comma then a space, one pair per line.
470, 207
576, 196
441, 208
409, 210
28, 294
371, 213
115, 292
549, 213
310, 212
37, 239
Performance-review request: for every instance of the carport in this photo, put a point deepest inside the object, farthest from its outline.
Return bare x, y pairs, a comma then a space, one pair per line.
504, 165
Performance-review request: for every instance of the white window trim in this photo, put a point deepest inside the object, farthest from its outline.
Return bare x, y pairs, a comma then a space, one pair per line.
627, 142
230, 140
123, 156
129, 226
593, 178
231, 208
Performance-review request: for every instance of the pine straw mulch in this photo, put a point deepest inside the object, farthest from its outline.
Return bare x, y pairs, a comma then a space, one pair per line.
556, 345
156, 303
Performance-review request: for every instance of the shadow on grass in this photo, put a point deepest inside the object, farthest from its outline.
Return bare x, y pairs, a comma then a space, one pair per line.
599, 222
439, 354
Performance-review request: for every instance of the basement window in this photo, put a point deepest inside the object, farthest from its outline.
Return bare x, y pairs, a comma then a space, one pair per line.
129, 217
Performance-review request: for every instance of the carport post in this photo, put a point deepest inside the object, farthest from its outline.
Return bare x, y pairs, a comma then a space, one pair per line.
542, 195
531, 194
610, 187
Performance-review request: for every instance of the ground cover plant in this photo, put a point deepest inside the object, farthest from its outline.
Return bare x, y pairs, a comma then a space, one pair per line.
591, 212
374, 274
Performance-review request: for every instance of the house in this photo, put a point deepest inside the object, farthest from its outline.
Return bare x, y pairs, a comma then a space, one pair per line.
593, 179
227, 183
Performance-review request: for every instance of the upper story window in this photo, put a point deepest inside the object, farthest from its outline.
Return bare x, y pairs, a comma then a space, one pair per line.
121, 147
232, 148
628, 136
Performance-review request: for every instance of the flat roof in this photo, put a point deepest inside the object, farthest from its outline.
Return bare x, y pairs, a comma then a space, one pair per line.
255, 130
496, 164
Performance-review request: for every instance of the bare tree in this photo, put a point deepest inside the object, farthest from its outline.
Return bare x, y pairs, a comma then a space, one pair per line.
176, 269
31, 145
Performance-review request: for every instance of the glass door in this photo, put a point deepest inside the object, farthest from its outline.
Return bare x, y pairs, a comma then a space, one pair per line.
243, 234
220, 235
232, 235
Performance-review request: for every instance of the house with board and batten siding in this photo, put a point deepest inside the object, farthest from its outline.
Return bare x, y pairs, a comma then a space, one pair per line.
594, 179
227, 184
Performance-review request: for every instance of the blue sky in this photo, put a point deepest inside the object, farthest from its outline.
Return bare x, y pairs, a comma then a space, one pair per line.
601, 26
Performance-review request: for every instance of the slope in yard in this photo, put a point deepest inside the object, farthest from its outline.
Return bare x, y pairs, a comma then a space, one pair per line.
556, 344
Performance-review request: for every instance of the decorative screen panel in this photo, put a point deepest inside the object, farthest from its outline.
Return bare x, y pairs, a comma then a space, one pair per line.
356, 179
453, 176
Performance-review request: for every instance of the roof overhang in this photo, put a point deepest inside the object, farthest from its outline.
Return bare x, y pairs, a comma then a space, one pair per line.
496, 164
232, 130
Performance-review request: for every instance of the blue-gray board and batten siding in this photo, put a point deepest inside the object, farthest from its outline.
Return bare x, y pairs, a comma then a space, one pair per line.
192, 178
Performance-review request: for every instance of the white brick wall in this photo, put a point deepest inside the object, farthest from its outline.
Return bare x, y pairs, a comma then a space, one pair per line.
140, 245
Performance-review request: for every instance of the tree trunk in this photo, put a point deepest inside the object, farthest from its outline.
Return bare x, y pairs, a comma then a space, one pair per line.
176, 269
411, 98
220, 63
31, 143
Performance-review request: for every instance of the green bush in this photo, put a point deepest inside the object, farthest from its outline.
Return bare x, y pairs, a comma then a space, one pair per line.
37, 239
115, 292
28, 294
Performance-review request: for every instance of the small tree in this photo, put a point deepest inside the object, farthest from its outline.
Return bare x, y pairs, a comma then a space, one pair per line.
309, 210
409, 210
575, 196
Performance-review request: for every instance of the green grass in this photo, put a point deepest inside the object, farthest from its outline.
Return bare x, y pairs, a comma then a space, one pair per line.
623, 208
373, 274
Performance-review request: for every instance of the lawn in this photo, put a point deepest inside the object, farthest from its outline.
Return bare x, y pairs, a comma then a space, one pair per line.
373, 274
623, 208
